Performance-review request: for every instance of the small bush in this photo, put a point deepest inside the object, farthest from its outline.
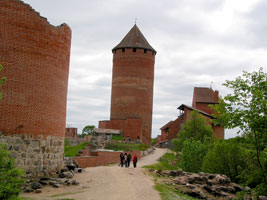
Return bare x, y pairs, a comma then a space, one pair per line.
226, 157
193, 154
10, 177
72, 151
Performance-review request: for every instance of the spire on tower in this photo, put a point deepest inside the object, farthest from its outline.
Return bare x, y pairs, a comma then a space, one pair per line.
134, 39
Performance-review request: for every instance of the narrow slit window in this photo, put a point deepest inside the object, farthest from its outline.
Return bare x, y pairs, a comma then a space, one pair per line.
134, 49
123, 49
145, 50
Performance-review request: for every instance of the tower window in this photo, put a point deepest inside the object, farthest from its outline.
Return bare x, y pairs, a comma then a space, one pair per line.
123, 49
134, 49
145, 50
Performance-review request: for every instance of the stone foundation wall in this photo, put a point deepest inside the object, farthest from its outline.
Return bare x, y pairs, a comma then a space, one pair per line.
37, 156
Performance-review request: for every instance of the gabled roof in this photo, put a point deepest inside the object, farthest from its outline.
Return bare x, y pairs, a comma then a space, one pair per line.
181, 107
205, 95
166, 125
134, 39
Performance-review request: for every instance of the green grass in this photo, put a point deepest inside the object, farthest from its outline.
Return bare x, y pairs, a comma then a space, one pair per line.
169, 193
166, 162
66, 193
126, 147
72, 151
66, 142
117, 137
65, 199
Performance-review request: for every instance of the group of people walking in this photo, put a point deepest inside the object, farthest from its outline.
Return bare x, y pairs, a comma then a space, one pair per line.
126, 160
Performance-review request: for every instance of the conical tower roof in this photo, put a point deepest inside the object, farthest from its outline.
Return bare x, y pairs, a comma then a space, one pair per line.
134, 39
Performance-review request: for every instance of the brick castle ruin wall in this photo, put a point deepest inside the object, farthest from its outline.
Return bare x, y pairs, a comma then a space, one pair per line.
131, 127
35, 58
103, 158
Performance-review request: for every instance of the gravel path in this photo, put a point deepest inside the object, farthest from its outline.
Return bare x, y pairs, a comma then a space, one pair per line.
108, 183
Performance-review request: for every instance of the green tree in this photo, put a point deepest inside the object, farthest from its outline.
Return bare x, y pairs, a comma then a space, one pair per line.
10, 177
88, 130
193, 153
2, 80
246, 108
226, 157
195, 128
153, 141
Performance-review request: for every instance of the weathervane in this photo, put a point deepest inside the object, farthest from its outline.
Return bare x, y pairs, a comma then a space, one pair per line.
135, 19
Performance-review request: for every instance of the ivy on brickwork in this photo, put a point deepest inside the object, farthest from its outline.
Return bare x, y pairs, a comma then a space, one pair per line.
2, 80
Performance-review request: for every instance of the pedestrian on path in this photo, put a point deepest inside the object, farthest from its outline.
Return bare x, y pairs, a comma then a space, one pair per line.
125, 160
122, 159
129, 158
134, 161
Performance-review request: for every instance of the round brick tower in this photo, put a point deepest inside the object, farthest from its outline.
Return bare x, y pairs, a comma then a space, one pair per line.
133, 81
35, 58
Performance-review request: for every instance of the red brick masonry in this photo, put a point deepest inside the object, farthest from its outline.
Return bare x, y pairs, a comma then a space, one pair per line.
131, 127
35, 58
102, 158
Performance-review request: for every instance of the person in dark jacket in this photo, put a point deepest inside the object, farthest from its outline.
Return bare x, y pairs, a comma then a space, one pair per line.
125, 160
129, 158
135, 161
122, 159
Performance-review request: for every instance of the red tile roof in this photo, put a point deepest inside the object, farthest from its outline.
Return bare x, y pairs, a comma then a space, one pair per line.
182, 106
166, 125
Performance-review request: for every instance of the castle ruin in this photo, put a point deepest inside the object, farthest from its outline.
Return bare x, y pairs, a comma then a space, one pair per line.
132, 87
35, 57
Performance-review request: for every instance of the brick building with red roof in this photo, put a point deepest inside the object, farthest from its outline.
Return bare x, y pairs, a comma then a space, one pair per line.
202, 98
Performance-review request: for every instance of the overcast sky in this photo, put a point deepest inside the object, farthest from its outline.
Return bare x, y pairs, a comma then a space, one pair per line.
197, 43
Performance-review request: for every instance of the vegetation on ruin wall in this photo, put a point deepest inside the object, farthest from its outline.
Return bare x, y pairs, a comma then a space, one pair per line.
117, 137
72, 151
126, 147
166, 162
244, 158
10, 177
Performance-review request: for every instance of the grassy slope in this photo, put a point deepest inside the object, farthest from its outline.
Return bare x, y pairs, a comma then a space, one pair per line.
72, 151
169, 193
126, 147
167, 162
